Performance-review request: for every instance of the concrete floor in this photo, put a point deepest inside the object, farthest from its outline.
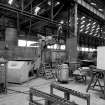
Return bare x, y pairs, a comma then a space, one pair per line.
19, 94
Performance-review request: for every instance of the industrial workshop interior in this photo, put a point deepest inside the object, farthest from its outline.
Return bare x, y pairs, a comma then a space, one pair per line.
52, 52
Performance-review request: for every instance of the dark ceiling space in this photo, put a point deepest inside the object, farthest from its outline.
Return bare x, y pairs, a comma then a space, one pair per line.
59, 13
23, 21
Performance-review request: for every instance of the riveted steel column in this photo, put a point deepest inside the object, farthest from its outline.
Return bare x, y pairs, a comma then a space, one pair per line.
75, 19
51, 9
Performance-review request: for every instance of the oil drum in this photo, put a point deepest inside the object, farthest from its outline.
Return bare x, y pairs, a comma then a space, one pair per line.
63, 73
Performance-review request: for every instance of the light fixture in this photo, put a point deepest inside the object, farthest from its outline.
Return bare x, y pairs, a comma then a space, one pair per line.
63, 47
92, 30
90, 20
87, 28
22, 43
55, 46
82, 26
10, 2
82, 22
83, 17
57, 3
91, 33
86, 32
93, 26
36, 10
49, 2
97, 28
90, 49
83, 49
93, 49
94, 23
86, 49
100, 10
88, 24
94, 34
81, 30
48, 47
62, 21
52, 47
93, 4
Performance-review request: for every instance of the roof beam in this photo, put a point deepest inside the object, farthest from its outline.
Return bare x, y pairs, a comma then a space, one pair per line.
90, 8
39, 4
28, 4
25, 13
58, 11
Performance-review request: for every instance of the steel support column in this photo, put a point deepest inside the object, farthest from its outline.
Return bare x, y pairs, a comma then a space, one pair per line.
22, 5
51, 9
68, 23
75, 19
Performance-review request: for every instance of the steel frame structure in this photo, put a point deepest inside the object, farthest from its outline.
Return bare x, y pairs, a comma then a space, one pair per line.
49, 99
68, 92
23, 11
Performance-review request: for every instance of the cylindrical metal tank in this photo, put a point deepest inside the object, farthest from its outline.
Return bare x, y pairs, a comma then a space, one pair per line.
11, 36
63, 73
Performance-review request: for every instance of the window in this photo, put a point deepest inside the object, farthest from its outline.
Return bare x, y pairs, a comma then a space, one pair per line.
25, 43
57, 47
22, 43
